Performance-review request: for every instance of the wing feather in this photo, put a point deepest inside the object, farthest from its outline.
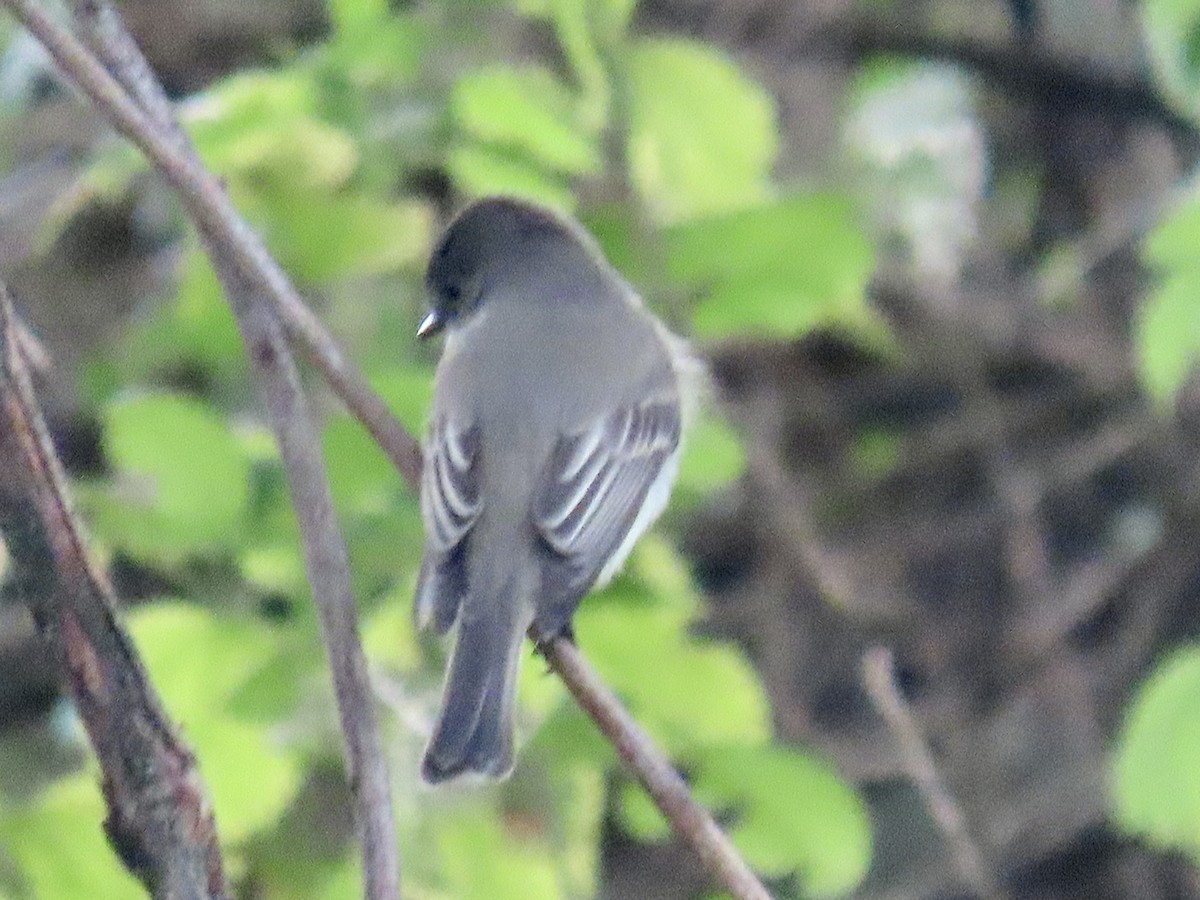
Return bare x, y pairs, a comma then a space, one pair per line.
450, 504
590, 494
450, 496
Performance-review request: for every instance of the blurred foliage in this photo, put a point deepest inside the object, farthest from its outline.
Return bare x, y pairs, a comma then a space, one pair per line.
1172, 29
1156, 785
1168, 326
325, 152
1167, 335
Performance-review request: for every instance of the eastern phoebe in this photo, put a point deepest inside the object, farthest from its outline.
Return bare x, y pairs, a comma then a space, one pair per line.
558, 408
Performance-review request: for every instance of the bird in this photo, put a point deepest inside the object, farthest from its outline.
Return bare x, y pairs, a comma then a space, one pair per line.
560, 404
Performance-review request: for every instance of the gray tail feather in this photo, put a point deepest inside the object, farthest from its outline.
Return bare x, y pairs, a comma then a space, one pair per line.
474, 732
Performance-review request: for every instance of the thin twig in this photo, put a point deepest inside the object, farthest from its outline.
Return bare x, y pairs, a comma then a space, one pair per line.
221, 224
835, 578
36, 356
160, 819
327, 563
637, 750
105, 33
879, 679
326, 557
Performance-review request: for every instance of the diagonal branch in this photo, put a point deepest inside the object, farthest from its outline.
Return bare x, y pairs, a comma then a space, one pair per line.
160, 819
649, 764
879, 679
224, 228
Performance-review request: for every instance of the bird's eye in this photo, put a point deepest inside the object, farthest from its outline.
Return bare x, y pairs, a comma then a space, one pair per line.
453, 292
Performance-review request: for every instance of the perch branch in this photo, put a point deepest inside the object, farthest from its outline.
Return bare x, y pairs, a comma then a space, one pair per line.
221, 224
638, 752
160, 819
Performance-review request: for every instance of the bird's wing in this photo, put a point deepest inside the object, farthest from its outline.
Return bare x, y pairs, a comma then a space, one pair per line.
589, 496
450, 503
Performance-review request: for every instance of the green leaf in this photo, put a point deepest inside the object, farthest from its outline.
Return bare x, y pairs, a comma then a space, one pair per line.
702, 136
195, 331
408, 392
712, 456
324, 237
586, 29
1172, 244
203, 325
192, 338
480, 171
640, 816
579, 41
389, 634
385, 543
685, 690
799, 234
481, 858
794, 815
182, 480
360, 474
1167, 328
1172, 30
561, 798
372, 53
60, 847
200, 663
528, 111
105, 181
278, 687
657, 568
355, 15
274, 565
1156, 790
579, 804
624, 238
616, 13
876, 452
608, 18
778, 269
261, 129
1167, 335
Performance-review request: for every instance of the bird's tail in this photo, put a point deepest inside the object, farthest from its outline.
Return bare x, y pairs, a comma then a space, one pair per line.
474, 732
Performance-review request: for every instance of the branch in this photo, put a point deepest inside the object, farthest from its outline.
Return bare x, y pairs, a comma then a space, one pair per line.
643, 758
160, 819
879, 679
33, 353
224, 228
326, 558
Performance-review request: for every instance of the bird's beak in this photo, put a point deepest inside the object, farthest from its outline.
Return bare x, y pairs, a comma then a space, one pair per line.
430, 326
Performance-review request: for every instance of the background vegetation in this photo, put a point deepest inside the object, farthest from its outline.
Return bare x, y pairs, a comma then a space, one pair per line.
940, 255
